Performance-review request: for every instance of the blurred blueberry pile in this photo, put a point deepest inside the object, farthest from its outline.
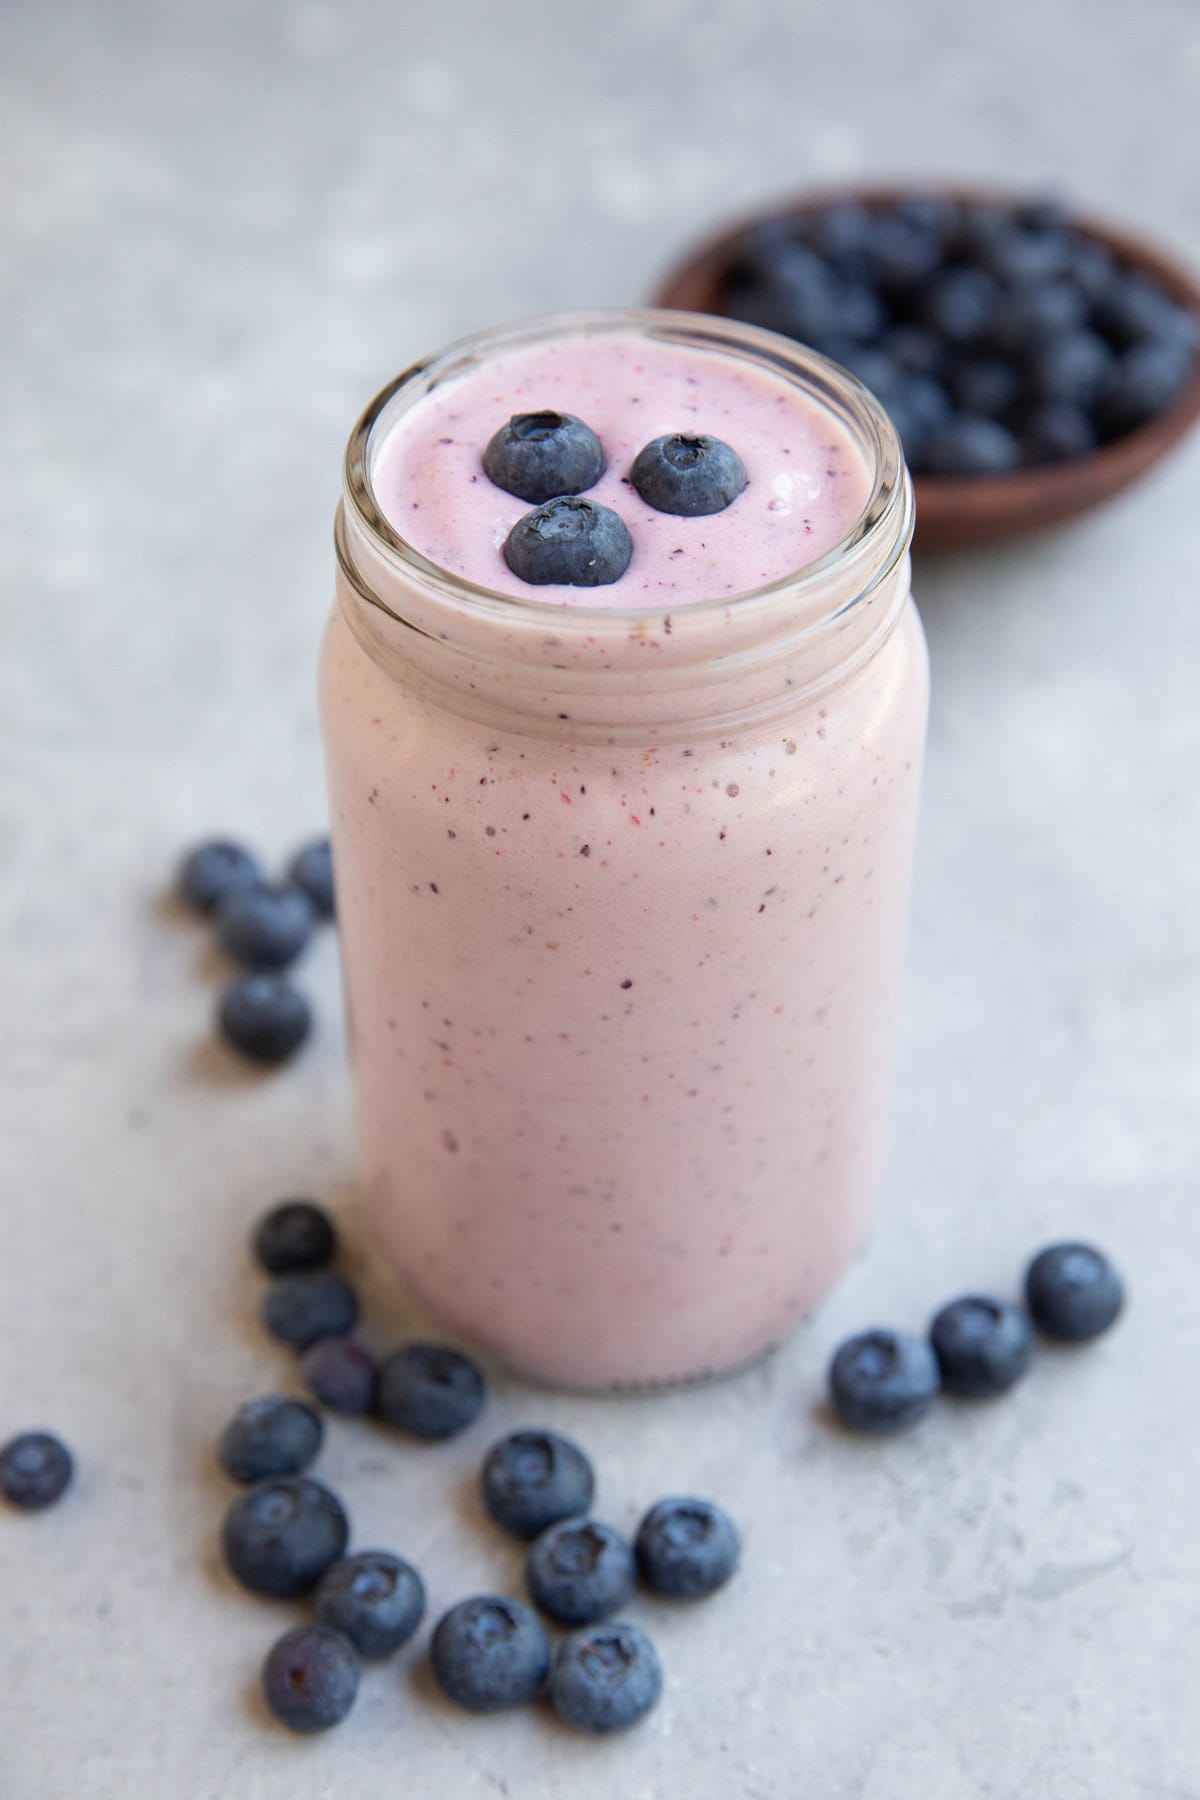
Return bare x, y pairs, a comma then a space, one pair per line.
996, 337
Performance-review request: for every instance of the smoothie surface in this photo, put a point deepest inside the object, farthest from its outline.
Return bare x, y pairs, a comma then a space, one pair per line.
808, 480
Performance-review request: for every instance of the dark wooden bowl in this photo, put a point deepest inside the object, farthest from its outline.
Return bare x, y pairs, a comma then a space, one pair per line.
983, 509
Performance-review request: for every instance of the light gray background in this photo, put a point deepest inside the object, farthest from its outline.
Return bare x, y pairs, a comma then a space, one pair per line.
224, 226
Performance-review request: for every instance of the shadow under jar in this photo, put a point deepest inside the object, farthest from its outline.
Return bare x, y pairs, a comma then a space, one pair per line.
622, 894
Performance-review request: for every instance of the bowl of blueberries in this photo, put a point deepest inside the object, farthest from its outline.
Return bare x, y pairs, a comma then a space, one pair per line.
1033, 362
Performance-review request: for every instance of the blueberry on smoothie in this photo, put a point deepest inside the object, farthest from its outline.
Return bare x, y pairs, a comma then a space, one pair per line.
539, 455
982, 1345
569, 542
280, 1536
489, 1653
375, 1599
272, 1435
214, 870
533, 1479
605, 1677
1073, 1292
689, 475
310, 1678
686, 1548
35, 1470
579, 1571
264, 1017
294, 1238
264, 927
883, 1381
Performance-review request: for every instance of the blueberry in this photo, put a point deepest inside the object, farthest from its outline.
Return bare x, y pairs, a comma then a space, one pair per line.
904, 255
932, 213
840, 230
429, 1391
980, 225
341, 1374
962, 304
212, 871
1043, 212
310, 1678
768, 245
1091, 268
311, 870
984, 384
280, 1536
270, 1436
301, 1309
1028, 316
533, 1479
686, 1548
1075, 366
1017, 256
883, 1381
1133, 308
862, 315
489, 1653
784, 286
579, 1571
264, 1017
689, 476
874, 368
569, 543
35, 1470
539, 455
605, 1677
1054, 432
1146, 381
969, 445
982, 1345
294, 1238
264, 927
375, 1599
915, 349
917, 407
1073, 1292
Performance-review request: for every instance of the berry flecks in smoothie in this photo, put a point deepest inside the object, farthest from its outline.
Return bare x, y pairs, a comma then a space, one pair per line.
780, 481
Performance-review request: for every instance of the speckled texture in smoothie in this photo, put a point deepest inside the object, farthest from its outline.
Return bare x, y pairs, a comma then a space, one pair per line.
808, 482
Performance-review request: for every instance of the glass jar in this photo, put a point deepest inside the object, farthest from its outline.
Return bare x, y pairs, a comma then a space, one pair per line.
622, 900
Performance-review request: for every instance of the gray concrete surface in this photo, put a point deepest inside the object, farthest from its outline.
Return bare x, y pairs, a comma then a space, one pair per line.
222, 227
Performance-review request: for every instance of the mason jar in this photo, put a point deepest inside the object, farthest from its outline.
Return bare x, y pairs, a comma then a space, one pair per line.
622, 899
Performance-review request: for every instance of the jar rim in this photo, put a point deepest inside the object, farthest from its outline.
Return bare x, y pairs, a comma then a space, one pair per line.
889, 502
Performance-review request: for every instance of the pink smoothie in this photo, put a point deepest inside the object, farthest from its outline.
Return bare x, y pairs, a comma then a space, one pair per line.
808, 483
622, 901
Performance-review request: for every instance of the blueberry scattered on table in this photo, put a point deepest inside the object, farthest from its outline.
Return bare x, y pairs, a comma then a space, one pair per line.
580, 1571
1073, 1292
1010, 309
490, 1653
294, 1238
686, 1548
882, 1381
375, 1599
301, 1309
264, 1017
540, 455
214, 870
688, 475
281, 1535
342, 1374
35, 1470
605, 1677
532, 1479
569, 542
310, 1678
311, 870
429, 1390
982, 1345
270, 1436
265, 927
